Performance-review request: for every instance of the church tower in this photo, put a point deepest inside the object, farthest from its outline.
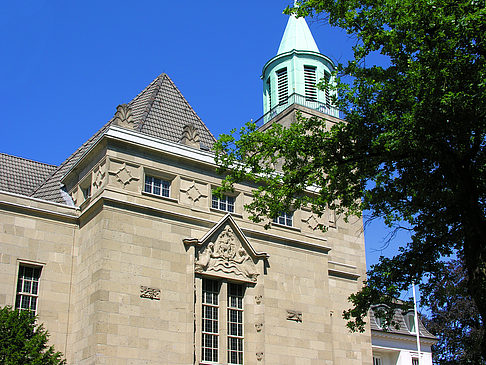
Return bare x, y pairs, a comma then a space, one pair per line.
291, 76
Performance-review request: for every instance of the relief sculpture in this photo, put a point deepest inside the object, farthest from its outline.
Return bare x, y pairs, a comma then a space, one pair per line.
226, 254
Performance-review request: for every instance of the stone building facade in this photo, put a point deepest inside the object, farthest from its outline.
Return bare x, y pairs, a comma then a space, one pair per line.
128, 258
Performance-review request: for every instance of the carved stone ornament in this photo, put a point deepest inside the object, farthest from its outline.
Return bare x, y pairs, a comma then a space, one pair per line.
259, 356
258, 299
193, 193
293, 315
226, 255
225, 252
312, 222
99, 178
190, 136
258, 327
124, 175
123, 117
149, 293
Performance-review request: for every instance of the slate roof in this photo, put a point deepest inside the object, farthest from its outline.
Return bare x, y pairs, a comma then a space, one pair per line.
403, 330
159, 111
21, 176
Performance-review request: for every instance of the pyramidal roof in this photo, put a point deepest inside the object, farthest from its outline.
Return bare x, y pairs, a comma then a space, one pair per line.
159, 111
297, 36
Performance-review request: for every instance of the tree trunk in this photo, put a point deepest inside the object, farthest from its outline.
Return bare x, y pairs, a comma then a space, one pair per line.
474, 225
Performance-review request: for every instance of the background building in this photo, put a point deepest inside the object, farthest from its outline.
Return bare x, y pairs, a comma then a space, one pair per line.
127, 257
399, 346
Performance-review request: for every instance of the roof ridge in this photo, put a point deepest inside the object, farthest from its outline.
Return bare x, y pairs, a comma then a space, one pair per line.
190, 107
67, 160
28, 159
158, 83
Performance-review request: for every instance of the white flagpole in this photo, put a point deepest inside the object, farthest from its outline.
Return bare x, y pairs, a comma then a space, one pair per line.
417, 332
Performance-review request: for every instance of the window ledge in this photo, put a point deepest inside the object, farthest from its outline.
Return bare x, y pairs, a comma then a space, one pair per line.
160, 197
292, 228
225, 212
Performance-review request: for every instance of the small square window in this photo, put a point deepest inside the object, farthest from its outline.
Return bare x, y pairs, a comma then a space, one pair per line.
226, 203
27, 288
156, 186
284, 219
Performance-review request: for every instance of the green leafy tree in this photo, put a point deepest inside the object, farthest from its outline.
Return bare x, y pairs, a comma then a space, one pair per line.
24, 342
453, 318
411, 148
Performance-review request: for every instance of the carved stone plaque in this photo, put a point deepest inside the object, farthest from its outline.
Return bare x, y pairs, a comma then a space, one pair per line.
149, 293
293, 315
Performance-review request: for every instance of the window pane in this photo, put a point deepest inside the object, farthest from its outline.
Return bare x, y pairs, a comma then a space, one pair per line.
148, 184
35, 285
27, 284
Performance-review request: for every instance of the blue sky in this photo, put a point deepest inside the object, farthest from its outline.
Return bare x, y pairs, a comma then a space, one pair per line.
66, 65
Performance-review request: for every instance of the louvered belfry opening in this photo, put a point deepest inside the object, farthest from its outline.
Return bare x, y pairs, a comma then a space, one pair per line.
269, 88
310, 80
327, 91
283, 86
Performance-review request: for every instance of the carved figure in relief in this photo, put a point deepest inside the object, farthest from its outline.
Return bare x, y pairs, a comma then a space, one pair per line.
204, 258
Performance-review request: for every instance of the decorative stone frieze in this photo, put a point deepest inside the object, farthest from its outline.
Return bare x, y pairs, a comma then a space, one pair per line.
225, 252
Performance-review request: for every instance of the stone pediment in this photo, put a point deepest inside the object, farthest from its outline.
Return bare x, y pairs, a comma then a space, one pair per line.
225, 252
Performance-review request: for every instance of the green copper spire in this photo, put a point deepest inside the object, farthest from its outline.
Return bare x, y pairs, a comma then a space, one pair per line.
297, 36
291, 76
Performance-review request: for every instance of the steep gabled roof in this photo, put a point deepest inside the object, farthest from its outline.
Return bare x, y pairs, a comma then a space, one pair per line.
159, 111
398, 317
21, 176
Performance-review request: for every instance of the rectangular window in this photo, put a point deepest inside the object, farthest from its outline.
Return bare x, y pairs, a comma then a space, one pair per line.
283, 86
415, 361
284, 219
210, 327
377, 360
226, 203
235, 324
310, 83
27, 288
157, 186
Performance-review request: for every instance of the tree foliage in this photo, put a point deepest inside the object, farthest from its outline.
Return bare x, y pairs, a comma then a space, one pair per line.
24, 342
453, 318
411, 148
